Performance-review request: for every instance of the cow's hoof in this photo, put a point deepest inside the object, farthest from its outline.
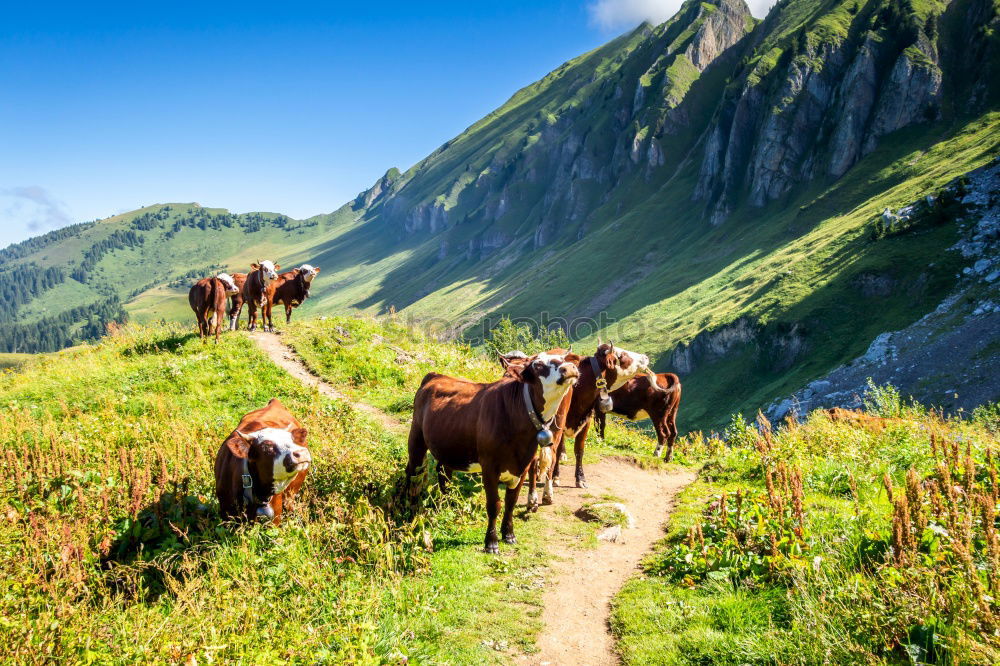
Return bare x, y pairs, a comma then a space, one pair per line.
657, 452
581, 483
555, 481
533, 507
547, 501
509, 538
492, 549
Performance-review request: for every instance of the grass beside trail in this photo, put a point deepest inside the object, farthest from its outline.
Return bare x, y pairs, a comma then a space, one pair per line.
112, 550
867, 540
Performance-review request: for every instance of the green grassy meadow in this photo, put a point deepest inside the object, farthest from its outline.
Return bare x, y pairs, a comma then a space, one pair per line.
113, 552
871, 540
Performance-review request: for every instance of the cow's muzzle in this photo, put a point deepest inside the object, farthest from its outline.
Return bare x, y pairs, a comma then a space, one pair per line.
568, 374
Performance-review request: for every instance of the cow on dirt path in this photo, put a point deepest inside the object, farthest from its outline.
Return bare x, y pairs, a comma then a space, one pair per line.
263, 273
207, 298
291, 289
493, 428
639, 398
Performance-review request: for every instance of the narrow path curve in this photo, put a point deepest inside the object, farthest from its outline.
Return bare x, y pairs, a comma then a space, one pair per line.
582, 582
285, 358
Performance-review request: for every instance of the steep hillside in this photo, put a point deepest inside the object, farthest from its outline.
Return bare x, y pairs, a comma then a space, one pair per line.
708, 190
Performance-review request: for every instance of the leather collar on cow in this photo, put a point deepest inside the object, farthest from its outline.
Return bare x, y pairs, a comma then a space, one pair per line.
263, 508
544, 435
604, 402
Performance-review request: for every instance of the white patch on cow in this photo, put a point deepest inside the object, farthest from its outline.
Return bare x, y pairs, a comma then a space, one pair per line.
473, 468
639, 364
640, 415
284, 446
227, 280
267, 271
552, 391
308, 272
509, 480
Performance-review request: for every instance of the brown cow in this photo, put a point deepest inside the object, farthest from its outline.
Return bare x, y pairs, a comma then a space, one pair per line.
263, 273
208, 300
236, 301
262, 464
577, 407
640, 399
490, 428
291, 289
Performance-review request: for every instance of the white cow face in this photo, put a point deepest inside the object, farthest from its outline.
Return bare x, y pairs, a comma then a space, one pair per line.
227, 279
269, 271
308, 272
630, 364
556, 374
276, 454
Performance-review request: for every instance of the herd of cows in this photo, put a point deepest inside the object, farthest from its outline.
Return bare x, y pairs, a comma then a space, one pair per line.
509, 431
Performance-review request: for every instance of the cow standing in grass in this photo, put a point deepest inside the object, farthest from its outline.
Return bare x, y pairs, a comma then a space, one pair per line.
208, 300
262, 464
263, 273
236, 301
291, 289
640, 398
488, 428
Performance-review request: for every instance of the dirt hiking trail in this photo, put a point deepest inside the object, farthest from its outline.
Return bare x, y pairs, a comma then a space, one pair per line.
582, 580
285, 358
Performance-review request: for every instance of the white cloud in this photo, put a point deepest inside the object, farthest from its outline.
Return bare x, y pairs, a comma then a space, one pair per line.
34, 208
619, 14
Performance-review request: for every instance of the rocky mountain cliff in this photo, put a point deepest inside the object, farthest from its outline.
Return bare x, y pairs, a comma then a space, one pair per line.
709, 190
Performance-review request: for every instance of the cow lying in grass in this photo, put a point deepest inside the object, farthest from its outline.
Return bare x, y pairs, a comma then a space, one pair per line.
262, 464
208, 300
489, 428
639, 398
576, 408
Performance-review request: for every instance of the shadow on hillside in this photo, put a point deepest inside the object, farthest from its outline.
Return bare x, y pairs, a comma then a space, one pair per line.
160, 543
169, 344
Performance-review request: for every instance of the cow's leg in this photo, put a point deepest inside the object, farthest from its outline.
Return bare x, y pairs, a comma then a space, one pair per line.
509, 502
491, 482
288, 314
217, 320
579, 445
266, 316
234, 314
662, 433
277, 505
671, 433
416, 453
251, 315
444, 477
560, 454
546, 464
532, 503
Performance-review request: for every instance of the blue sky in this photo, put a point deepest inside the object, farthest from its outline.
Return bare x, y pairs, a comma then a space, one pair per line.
289, 107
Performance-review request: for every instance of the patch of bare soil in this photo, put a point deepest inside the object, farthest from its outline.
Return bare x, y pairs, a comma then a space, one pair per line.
582, 581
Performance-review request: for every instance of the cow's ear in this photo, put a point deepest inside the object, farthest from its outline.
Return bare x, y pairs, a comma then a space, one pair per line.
573, 358
299, 436
315, 269
239, 444
254, 266
277, 266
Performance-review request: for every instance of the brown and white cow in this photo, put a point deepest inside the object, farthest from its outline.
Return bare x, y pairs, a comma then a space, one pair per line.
639, 398
207, 298
488, 428
291, 289
236, 301
262, 274
262, 464
576, 408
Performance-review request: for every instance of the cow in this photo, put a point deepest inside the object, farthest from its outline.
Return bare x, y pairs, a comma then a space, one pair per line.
291, 289
207, 298
236, 301
576, 408
493, 428
640, 398
262, 464
263, 273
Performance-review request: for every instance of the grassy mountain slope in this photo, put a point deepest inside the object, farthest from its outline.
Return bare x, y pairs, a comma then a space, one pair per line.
702, 190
